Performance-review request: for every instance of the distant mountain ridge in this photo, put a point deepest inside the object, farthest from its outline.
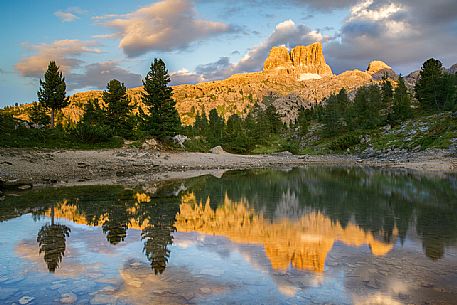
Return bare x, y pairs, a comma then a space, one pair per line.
289, 80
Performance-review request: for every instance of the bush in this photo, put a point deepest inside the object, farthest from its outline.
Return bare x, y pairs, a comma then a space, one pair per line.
292, 146
344, 142
91, 133
197, 144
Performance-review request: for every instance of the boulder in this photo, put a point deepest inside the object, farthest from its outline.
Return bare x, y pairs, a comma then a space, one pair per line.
217, 150
150, 144
180, 140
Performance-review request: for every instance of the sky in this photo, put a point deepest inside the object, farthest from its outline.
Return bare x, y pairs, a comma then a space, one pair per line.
203, 40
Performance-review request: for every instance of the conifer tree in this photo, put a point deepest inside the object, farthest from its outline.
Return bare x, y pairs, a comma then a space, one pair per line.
216, 126
37, 114
429, 89
274, 119
52, 92
118, 107
366, 107
164, 120
387, 92
335, 113
401, 109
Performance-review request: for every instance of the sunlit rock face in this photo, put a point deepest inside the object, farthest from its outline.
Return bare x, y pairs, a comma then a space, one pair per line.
376, 66
302, 243
300, 60
279, 58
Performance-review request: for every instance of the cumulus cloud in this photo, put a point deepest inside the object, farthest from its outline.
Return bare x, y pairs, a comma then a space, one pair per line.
69, 15
404, 33
64, 52
97, 75
163, 26
185, 76
320, 5
286, 33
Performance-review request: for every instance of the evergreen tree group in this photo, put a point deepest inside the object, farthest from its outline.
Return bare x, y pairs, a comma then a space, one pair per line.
238, 134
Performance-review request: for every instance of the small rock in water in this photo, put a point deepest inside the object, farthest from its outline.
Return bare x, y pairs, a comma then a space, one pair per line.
25, 300
205, 290
25, 187
135, 283
102, 299
68, 298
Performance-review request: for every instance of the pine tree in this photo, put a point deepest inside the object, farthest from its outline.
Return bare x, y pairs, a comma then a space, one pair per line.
52, 92
387, 92
401, 109
429, 89
118, 108
274, 119
235, 138
164, 120
334, 113
366, 107
303, 121
216, 126
37, 114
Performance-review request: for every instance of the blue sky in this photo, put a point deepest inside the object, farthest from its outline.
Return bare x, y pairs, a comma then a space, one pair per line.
201, 40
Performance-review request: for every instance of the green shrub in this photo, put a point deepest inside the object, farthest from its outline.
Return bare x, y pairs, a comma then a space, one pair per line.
85, 133
344, 142
197, 144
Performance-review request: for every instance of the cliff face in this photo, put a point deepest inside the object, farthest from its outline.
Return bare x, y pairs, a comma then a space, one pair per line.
292, 79
300, 60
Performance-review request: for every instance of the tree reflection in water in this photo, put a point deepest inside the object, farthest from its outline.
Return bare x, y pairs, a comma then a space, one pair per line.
387, 205
52, 241
158, 219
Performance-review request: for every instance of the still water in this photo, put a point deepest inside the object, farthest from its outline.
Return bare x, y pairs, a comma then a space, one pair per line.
300, 236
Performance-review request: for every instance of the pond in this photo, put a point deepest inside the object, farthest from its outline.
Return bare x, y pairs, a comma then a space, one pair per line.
312, 235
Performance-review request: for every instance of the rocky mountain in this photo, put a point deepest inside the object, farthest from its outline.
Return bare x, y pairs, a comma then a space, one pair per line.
289, 80
302, 62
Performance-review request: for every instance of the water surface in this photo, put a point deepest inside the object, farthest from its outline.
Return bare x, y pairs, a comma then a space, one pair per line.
300, 236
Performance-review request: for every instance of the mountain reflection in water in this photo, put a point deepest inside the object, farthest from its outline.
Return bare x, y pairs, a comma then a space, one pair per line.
296, 216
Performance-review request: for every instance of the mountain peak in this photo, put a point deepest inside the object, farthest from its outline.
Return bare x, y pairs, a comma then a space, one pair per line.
376, 66
300, 60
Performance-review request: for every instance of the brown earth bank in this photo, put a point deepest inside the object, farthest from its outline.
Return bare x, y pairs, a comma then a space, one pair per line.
23, 168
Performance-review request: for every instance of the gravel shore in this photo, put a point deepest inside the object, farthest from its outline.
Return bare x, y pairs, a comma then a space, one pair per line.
131, 166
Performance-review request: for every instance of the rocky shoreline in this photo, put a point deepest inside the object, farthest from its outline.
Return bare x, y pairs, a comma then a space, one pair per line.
21, 168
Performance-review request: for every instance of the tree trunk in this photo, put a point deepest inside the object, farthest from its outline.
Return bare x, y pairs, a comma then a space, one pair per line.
52, 118
52, 214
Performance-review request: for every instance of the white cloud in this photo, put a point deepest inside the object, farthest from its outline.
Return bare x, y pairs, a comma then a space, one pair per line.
184, 76
363, 10
69, 15
64, 52
66, 16
163, 26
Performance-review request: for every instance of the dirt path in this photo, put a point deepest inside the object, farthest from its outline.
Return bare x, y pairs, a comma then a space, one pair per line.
131, 166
